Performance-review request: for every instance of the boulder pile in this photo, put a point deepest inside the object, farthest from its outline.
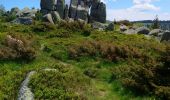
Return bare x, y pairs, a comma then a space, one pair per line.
24, 16
162, 35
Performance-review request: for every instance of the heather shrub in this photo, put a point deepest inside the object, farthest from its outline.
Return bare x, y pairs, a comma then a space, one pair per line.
16, 47
76, 26
125, 22
151, 77
163, 92
59, 84
91, 72
43, 27
107, 50
134, 77
61, 33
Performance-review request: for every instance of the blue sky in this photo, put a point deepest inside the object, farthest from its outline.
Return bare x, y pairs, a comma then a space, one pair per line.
116, 9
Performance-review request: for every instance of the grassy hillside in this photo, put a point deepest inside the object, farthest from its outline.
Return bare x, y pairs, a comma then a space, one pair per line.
90, 64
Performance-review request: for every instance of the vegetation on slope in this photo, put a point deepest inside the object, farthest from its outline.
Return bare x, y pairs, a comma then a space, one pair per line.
91, 64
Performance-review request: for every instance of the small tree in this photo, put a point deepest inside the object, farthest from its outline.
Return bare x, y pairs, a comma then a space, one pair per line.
156, 24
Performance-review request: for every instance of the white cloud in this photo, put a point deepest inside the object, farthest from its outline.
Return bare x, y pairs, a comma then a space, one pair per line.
122, 14
141, 10
144, 5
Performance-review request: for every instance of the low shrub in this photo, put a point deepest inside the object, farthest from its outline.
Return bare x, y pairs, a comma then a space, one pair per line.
43, 27
105, 50
145, 78
17, 48
60, 85
61, 33
76, 26
91, 72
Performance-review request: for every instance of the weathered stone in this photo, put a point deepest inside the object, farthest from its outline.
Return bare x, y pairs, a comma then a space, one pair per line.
110, 27
48, 5
130, 31
98, 12
60, 6
26, 12
23, 20
14, 11
56, 17
66, 11
82, 13
73, 8
79, 9
49, 18
98, 25
155, 32
165, 36
143, 30
123, 28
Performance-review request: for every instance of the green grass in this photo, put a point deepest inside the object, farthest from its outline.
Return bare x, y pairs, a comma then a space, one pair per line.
92, 76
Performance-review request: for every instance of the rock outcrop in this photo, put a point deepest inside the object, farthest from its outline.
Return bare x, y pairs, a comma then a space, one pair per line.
165, 36
78, 10
14, 11
98, 11
26, 12
130, 31
143, 30
47, 6
23, 20
25, 92
123, 27
110, 27
155, 32
60, 7
66, 10
24, 16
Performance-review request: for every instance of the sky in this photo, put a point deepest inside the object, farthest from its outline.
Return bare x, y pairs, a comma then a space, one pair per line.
132, 10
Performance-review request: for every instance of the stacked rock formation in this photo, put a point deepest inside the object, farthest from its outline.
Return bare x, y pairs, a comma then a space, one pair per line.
53, 10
